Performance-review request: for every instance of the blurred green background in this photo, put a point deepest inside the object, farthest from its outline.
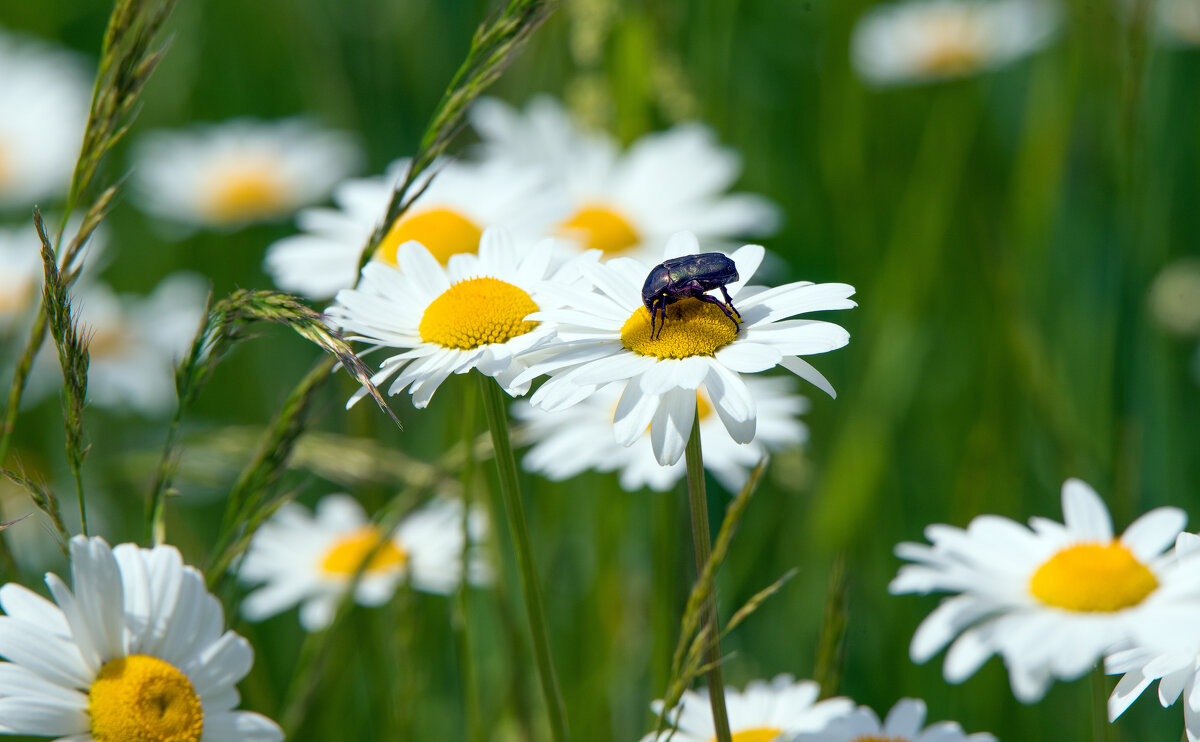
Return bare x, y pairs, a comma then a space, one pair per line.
1002, 232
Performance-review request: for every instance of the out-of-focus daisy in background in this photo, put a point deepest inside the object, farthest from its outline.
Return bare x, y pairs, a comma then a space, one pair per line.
604, 336
916, 41
136, 651
468, 315
1166, 650
309, 559
448, 217
904, 723
568, 442
764, 712
1175, 301
44, 96
21, 269
1051, 599
1178, 21
242, 171
135, 342
627, 202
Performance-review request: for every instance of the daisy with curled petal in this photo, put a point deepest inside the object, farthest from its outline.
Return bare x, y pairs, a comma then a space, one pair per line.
137, 651
571, 441
1167, 650
765, 711
44, 94
310, 559
918, 41
605, 336
904, 723
627, 202
1051, 599
455, 202
469, 315
239, 172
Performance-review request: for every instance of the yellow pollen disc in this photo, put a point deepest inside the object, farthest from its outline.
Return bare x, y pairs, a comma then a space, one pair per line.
15, 298
443, 232
349, 552
144, 699
601, 228
693, 328
955, 47
755, 734
476, 312
1093, 578
6, 169
244, 194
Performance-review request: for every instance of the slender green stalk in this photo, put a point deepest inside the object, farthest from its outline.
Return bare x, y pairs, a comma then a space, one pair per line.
462, 615
698, 499
510, 491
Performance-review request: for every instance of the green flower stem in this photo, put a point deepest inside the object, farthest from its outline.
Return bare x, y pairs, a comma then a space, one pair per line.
698, 499
1101, 730
510, 492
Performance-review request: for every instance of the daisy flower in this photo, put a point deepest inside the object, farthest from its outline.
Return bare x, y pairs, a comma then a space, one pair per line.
762, 713
628, 202
1167, 651
20, 273
136, 652
459, 201
1051, 599
469, 315
310, 559
1179, 21
904, 723
45, 94
571, 441
604, 336
134, 345
238, 172
916, 41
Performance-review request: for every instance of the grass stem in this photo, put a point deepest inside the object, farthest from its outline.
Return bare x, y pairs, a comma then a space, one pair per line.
510, 492
698, 500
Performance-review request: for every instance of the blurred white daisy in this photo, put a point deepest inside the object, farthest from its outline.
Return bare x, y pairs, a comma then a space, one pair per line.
21, 269
459, 201
605, 336
916, 41
135, 342
568, 442
1179, 21
904, 723
20, 273
137, 651
1051, 599
469, 315
1166, 650
44, 94
765, 711
310, 560
628, 202
238, 172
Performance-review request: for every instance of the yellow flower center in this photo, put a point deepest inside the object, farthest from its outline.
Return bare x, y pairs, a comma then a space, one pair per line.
1093, 578
246, 193
15, 298
476, 312
955, 49
349, 552
692, 328
443, 232
6, 169
756, 734
144, 699
601, 228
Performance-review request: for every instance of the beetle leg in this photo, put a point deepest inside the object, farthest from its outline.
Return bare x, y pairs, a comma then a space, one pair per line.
714, 300
655, 306
729, 302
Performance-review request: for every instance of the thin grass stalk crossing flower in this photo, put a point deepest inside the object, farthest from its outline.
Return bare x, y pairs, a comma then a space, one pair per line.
698, 501
510, 492
72, 356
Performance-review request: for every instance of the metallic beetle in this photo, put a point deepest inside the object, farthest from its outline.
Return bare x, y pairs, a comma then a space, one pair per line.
687, 277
